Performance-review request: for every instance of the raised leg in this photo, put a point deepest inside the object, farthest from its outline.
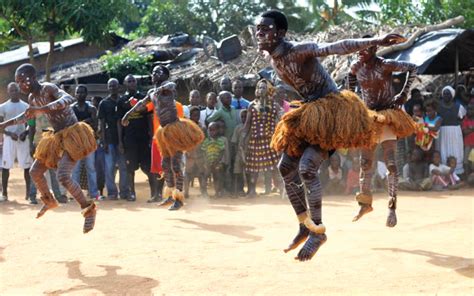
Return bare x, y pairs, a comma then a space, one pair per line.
308, 166
37, 171
364, 197
177, 168
389, 152
288, 167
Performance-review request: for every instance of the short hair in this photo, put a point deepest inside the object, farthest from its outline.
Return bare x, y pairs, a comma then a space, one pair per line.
27, 69
194, 109
279, 17
164, 69
82, 86
13, 84
431, 103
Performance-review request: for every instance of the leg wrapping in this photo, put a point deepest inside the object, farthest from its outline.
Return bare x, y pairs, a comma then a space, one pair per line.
364, 198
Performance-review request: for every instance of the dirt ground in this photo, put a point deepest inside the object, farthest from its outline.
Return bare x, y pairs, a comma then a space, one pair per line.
228, 246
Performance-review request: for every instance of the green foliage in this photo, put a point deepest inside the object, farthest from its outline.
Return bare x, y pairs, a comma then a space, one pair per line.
165, 17
124, 63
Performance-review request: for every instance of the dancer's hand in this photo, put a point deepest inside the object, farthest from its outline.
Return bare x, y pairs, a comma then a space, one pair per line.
125, 121
391, 39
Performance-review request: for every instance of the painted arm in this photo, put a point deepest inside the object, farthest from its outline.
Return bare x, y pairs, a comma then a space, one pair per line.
352, 77
20, 119
138, 106
397, 66
346, 46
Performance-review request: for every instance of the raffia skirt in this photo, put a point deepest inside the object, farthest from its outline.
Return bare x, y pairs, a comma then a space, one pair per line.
399, 122
181, 135
338, 120
77, 140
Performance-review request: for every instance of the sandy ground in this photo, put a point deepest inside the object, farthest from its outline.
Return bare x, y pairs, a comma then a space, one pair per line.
227, 246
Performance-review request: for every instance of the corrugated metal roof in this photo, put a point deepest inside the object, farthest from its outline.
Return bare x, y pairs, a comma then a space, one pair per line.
21, 53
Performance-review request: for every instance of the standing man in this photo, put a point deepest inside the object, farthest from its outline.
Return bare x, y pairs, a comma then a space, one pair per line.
326, 120
15, 142
135, 138
238, 101
374, 75
87, 113
175, 135
62, 148
109, 140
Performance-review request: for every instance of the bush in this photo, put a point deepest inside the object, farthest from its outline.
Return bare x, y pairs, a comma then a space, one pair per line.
124, 63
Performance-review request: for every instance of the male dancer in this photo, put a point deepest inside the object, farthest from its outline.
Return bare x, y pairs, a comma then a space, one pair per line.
374, 75
326, 120
175, 135
62, 148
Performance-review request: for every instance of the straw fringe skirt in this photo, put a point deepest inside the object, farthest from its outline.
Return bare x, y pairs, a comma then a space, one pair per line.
182, 135
401, 124
78, 141
338, 120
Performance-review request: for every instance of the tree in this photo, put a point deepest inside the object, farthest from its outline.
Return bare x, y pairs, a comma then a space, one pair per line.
165, 17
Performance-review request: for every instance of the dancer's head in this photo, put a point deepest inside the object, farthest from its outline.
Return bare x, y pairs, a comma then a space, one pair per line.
368, 53
159, 74
81, 93
25, 76
271, 29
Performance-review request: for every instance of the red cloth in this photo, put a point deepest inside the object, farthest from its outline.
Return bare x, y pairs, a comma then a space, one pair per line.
468, 139
352, 181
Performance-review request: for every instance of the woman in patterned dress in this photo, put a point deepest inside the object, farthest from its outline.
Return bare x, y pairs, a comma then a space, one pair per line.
262, 117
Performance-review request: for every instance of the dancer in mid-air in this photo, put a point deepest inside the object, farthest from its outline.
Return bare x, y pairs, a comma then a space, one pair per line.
61, 148
374, 76
326, 120
174, 136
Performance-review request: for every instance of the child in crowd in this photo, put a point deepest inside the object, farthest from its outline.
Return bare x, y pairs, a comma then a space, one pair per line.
240, 147
428, 130
335, 180
195, 161
417, 179
442, 175
216, 154
211, 102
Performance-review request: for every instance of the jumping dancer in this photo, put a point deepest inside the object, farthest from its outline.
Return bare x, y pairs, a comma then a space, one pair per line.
374, 75
175, 135
326, 120
61, 148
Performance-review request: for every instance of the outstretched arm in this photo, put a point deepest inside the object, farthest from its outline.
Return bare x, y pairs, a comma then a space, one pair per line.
346, 46
397, 66
138, 106
20, 119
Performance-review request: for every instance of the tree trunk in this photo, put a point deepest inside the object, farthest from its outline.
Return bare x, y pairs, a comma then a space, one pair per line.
30, 50
49, 59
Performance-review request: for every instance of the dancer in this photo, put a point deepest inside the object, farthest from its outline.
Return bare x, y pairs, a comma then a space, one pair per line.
326, 120
374, 75
61, 148
175, 135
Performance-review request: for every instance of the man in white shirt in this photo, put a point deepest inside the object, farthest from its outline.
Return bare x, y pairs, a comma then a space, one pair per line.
211, 102
15, 142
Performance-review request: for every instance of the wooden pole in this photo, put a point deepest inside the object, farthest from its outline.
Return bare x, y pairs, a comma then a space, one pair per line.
456, 67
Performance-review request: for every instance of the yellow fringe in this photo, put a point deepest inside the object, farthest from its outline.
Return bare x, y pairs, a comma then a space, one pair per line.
182, 135
77, 140
339, 120
399, 122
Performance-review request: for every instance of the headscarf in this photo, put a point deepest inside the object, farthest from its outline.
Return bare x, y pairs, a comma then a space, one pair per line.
450, 89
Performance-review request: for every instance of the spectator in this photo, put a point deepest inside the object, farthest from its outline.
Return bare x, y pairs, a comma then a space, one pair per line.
443, 176
225, 84
352, 181
194, 101
240, 146
216, 150
450, 142
238, 101
462, 96
87, 113
99, 154
195, 161
427, 130
417, 179
110, 142
135, 138
226, 113
335, 183
262, 117
15, 142
211, 101
415, 99
468, 132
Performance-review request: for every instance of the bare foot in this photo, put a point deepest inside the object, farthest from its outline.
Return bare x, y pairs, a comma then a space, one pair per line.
391, 218
299, 238
49, 205
311, 246
364, 209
